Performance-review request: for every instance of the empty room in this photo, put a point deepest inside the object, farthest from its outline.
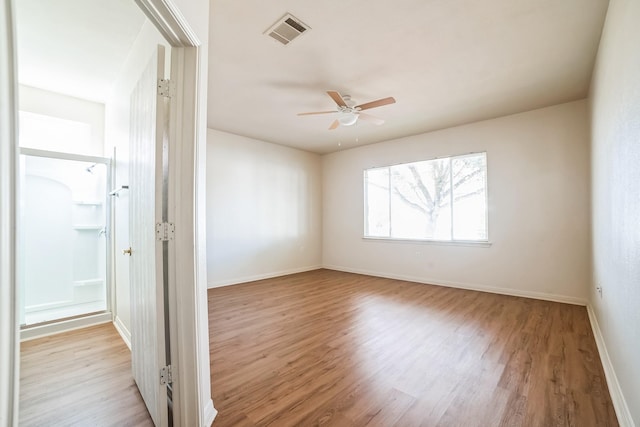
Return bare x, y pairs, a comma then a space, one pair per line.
410, 213
442, 257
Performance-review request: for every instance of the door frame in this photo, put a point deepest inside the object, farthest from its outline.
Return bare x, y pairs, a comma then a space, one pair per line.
9, 345
189, 314
189, 324
34, 331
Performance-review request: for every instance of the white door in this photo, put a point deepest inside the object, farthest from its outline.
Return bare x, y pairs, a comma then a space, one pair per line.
148, 337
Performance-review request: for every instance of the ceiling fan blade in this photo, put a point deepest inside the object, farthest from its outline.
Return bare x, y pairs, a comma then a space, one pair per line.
316, 112
378, 103
334, 125
337, 98
370, 118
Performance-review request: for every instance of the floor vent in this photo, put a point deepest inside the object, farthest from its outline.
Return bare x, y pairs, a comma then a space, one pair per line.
286, 29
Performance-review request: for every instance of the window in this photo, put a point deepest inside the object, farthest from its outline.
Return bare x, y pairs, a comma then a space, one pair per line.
442, 199
50, 133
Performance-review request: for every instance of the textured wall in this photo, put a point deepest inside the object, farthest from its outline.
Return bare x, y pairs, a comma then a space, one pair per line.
615, 100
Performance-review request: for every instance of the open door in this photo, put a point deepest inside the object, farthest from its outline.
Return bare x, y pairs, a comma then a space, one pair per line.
149, 241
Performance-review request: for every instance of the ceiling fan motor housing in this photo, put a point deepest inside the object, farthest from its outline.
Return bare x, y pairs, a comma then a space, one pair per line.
348, 114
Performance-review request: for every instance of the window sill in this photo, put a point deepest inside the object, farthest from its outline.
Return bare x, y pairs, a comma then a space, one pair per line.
471, 243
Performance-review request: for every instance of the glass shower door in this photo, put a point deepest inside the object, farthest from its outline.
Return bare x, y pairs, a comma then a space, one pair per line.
63, 238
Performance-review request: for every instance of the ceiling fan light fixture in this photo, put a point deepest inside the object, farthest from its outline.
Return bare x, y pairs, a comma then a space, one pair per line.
348, 119
349, 113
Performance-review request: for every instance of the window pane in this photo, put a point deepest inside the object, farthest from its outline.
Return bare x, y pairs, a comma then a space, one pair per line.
440, 199
377, 202
470, 197
420, 202
53, 134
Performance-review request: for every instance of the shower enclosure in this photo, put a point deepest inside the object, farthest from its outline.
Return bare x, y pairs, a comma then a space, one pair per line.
63, 233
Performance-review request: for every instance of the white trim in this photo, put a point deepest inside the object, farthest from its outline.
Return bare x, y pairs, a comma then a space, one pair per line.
471, 243
617, 397
34, 332
190, 336
169, 21
123, 331
469, 286
210, 414
9, 346
253, 278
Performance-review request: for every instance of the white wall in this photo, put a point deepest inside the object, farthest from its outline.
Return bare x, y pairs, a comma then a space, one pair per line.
264, 209
538, 191
66, 107
117, 136
615, 99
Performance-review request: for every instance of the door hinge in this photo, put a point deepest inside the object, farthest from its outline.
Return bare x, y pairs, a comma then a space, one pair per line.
165, 231
166, 375
166, 88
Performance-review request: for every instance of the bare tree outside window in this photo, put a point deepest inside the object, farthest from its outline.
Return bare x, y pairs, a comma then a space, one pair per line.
440, 199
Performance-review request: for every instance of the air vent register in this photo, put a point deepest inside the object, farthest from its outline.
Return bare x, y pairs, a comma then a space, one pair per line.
286, 29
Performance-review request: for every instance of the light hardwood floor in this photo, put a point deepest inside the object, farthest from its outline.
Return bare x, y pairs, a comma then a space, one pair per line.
79, 378
332, 348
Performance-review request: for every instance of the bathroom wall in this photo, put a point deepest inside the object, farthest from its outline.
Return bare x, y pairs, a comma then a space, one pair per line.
45, 103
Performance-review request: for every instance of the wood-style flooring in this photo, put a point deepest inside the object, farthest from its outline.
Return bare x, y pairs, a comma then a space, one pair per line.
79, 378
332, 348
339, 349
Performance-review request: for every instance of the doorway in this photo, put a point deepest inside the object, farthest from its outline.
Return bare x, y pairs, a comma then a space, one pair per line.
192, 394
76, 66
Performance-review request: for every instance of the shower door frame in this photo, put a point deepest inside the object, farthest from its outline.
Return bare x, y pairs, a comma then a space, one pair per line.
37, 329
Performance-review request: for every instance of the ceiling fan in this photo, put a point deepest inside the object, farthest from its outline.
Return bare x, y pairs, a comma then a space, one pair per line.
349, 112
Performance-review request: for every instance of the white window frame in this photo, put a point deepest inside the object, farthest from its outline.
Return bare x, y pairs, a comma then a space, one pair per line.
452, 241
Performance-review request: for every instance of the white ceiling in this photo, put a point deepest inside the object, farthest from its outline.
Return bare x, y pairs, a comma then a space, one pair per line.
75, 47
446, 62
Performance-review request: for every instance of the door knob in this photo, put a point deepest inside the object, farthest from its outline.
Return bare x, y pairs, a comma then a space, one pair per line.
126, 251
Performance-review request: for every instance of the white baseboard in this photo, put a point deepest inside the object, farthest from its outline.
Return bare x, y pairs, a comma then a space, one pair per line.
619, 403
64, 326
469, 286
123, 331
253, 278
210, 413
